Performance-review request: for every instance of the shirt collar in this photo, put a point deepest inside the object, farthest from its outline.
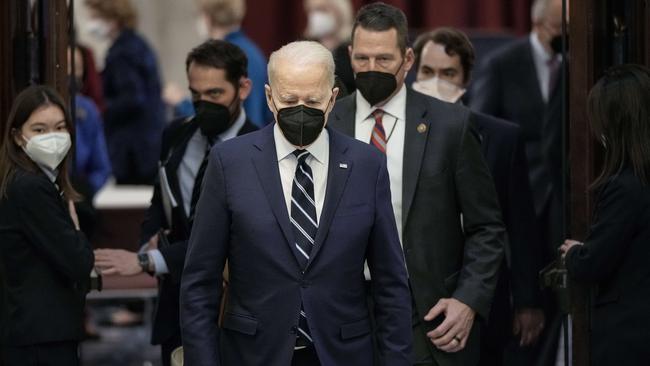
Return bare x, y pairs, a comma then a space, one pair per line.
538, 49
49, 173
396, 106
319, 149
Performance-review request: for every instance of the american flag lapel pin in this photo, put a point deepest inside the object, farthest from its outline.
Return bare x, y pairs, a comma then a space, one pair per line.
343, 165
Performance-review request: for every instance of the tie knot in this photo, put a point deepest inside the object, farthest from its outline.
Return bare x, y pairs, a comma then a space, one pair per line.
301, 155
377, 114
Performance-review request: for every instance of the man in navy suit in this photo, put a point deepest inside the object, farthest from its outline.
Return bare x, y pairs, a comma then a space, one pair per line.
296, 209
444, 60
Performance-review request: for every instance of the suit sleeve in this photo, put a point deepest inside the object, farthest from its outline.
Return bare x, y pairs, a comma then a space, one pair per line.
486, 90
201, 285
482, 223
610, 234
389, 280
523, 231
49, 228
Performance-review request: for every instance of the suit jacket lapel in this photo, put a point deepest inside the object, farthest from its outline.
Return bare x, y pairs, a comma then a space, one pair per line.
266, 165
417, 130
337, 176
343, 116
529, 68
174, 161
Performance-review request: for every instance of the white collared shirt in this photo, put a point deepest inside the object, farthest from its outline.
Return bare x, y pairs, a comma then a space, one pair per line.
394, 122
193, 157
318, 161
540, 59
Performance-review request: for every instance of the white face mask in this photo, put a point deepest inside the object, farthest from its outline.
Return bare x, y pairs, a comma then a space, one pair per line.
98, 29
320, 24
202, 28
439, 89
48, 149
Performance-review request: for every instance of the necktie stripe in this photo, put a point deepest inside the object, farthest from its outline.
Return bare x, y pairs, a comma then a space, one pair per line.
302, 251
313, 222
311, 200
307, 175
302, 231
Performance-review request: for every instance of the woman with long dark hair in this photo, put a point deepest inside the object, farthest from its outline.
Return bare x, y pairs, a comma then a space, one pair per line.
615, 257
45, 261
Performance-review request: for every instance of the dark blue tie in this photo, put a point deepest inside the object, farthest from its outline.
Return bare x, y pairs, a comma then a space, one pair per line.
305, 225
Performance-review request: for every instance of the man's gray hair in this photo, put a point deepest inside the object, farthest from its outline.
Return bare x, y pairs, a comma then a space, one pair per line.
538, 10
303, 53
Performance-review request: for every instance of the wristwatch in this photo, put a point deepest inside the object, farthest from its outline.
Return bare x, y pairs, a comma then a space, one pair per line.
143, 261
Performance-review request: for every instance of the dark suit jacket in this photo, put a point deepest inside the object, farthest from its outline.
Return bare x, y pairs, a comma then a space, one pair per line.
614, 259
175, 140
242, 217
134, 114
444, 176
45, 265
505, 155
508, 88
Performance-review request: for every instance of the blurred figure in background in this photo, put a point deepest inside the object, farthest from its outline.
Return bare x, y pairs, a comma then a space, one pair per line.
521, 83
329, 22
614, 257
89, 82
45, 260
134, 111
221, 19
444, 59
92, 166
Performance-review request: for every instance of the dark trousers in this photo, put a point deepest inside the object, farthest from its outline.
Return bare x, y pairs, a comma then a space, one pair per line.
305, 357
168, 346
43, 354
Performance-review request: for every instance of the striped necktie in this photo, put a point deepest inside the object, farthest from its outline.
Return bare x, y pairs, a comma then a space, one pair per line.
305, 225
378, 137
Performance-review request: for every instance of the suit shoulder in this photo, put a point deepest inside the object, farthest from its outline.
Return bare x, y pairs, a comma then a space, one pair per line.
496, 125
448, 115
248, 127
510, 51
29, 183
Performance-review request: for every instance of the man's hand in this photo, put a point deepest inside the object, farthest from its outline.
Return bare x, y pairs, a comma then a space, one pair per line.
528, 324
452, 334
568, 244
117, 262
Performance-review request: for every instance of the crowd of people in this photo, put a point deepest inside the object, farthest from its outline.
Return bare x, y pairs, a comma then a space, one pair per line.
321, 208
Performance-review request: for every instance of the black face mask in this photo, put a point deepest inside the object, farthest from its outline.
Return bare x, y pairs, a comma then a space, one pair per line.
556, 44
376, 86
301, 125
213, 119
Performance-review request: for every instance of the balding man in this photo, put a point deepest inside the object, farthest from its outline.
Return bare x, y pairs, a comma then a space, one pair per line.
296, 209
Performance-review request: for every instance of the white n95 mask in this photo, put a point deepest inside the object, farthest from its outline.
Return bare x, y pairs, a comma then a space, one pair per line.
320, 24
48, 149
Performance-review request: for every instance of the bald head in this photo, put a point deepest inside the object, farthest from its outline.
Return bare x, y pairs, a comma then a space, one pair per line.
301, 73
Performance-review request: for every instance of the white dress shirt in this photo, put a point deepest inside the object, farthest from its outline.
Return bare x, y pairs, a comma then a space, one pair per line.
187, 171
394, 121
541, 59
318, 161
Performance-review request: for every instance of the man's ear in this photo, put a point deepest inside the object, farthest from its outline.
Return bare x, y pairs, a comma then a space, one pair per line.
269, 98
245, 87
409, 59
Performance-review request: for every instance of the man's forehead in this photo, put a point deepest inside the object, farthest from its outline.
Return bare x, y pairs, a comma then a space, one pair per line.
365, 38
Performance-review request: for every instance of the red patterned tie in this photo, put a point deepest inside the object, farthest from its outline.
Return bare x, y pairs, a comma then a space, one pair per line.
378, 137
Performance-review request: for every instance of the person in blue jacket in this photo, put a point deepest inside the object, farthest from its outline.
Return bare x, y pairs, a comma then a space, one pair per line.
134, 115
